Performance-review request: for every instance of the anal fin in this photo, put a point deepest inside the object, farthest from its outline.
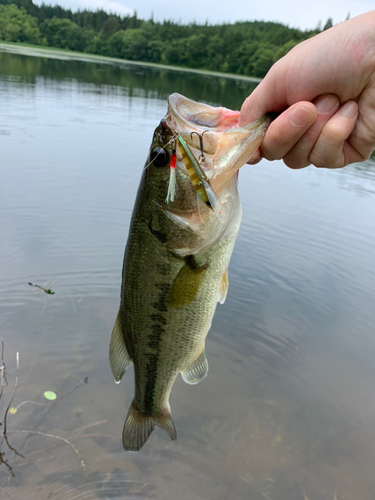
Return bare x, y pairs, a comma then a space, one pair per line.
197, 370
119, 358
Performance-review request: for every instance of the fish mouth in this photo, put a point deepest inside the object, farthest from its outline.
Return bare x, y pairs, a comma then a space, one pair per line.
212, 133
201, 117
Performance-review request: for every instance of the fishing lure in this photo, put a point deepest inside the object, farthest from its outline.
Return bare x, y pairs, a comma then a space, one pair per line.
172, 179
199, 178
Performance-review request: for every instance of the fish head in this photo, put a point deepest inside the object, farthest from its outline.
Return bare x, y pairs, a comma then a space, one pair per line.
213, 132
193, 164
158, 164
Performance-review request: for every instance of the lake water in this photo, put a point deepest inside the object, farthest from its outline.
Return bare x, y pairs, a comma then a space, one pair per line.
287, 411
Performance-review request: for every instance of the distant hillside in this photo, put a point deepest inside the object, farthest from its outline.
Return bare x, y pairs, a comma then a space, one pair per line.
245, 48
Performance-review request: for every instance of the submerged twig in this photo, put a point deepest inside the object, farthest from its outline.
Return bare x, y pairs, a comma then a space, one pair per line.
52, 406
300, 487
83, 381
31, 402
5, 462
3, 380
14, 391
56, 437
3, 383
11, 447
90, 425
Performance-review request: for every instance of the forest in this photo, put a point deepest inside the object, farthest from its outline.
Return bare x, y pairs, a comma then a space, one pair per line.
245, 48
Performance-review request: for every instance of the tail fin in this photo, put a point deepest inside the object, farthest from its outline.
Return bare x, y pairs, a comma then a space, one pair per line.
139, 426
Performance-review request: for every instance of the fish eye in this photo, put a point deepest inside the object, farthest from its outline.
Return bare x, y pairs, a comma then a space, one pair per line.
159, 157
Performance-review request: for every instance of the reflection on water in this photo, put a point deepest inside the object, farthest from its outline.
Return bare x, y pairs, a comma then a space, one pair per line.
134, 81
287, 410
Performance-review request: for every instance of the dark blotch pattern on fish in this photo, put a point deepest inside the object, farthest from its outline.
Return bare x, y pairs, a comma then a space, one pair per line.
157, 327
159, 318
161, 304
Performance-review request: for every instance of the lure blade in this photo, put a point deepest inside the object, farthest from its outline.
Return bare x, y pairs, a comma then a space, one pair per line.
214, 201
202, 209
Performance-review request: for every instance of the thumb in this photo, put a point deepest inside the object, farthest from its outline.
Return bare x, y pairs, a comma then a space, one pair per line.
268, 96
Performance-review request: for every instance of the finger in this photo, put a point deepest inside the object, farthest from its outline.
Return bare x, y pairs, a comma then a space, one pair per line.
260, 101
298, 156
362, 140
257, 156
328, 151
287, 129
269, 95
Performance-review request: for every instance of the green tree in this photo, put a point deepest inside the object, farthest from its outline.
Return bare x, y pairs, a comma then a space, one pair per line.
262, 60
17, 26
176, 53
65, 34
110, 26
196, 46
129, 44
328, 24
242, 60
100, 45
247, 48
215, 53
282, 51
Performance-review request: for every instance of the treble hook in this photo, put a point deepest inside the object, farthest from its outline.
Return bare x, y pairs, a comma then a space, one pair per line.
202, 159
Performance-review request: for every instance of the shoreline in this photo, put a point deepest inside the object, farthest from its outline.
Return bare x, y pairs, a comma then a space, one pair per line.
69, 55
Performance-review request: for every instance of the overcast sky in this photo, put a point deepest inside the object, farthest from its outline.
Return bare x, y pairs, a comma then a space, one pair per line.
295, 13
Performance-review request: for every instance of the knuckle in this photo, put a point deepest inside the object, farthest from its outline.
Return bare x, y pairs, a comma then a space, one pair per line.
334, 132
271, 156
322, 159
295, 163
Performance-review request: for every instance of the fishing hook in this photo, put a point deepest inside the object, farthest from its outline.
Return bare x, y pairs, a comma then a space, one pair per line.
202, 159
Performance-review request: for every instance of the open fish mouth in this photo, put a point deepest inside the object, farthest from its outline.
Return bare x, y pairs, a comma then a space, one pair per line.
200, 117
210, 147
212, 134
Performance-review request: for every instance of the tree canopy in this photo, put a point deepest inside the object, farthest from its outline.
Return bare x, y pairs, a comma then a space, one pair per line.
244, 48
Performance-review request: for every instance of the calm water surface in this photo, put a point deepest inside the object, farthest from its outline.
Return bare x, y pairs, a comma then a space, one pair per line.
288, 409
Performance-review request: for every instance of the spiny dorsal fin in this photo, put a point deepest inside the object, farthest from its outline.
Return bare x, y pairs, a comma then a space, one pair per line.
139, 426
197, 370
119, 358
187, 283
224, 287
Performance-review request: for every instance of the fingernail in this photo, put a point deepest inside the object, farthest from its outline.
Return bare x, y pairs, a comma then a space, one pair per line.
326, 104
349, 110
300, 117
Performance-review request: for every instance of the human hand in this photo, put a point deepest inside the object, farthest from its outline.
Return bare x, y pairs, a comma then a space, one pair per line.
327, 84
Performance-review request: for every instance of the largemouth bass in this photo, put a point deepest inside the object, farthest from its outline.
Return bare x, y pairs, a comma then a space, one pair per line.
184, 224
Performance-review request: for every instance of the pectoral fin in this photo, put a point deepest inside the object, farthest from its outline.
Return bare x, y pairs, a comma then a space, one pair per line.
187, 283
224, 287
119, 358
197, 370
